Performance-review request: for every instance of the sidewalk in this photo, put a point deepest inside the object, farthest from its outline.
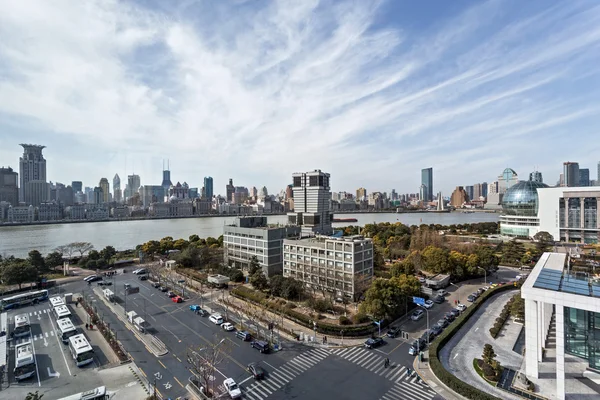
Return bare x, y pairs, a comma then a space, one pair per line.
424, 371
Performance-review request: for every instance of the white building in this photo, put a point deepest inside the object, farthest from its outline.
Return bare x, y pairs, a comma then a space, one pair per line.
21, 214
174, 208
342, 266
97, 212
76, 212
565, 305
121, 211
50, 211
311, 203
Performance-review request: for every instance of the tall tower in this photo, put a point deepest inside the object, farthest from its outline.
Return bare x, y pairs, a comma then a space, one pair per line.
117, 194
166, 182
570, 173
9, 188
208, 187
427, 181
105, 186
32, 168
230, 189
311, 203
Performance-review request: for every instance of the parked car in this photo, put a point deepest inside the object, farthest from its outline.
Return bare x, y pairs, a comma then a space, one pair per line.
195, 307
371, 343
243, 335
428, 304
163, 289
461, 307
417, 315
480, 291
442, 292
140, 271
260, 345
143, 277
416, 347
471, 298
171, 294
216, 319
439, 299
393, 331
436, 330
177, 299
87, 278
443, 322
449, 316
256, 370
427, 336
485, 288
156, 284
228, 326
92, 278
105, 283
232, 388
455, 312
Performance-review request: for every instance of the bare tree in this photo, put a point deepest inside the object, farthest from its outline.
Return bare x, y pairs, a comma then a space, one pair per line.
67, 250
361, 284
204, 360
155, 271
82, 247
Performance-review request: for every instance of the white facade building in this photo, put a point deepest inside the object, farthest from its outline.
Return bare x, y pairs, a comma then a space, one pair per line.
570, 302
21, 214
97, 212
311, 203
50, 211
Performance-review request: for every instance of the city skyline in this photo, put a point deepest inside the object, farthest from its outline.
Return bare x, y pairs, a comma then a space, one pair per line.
427, 86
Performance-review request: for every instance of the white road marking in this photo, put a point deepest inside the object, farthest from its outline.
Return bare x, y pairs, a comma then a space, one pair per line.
246, 380
269, 365
476, 329
36, 365
61, 350
53, 374
456, 355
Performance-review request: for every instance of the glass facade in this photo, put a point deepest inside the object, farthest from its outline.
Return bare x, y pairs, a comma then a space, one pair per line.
582, 335
522, 199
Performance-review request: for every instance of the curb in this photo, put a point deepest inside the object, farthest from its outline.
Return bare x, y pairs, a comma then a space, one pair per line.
140, 380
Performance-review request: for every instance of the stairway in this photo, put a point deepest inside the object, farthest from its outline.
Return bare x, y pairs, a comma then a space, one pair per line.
551, 337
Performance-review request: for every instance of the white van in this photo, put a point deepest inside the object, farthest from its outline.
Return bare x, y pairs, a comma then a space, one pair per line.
216, 319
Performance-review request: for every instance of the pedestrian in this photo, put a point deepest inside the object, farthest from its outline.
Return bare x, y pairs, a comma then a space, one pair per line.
86, 326
386, 362
91, 327
408, 371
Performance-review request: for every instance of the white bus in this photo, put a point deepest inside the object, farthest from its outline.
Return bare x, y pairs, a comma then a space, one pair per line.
22, 326
98, 393
66, 329
56, 301
25, 361
81, 350
62, 312
23, 299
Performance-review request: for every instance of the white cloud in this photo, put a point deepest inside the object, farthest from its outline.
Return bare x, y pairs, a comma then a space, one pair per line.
256, 91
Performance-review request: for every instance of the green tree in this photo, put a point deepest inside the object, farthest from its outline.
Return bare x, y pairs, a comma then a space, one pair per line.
193, 238
54, 259
36, 259
34, 396
236, 275
436, 260
512, 252
382, 299
151, 247
166, 244
486, 255
180, 244
254, 265
91, 264
488, 355
212, 241
108, 252
292, 289
517, 308
93, 255
18, 273
543, 240
276, 284
259, 281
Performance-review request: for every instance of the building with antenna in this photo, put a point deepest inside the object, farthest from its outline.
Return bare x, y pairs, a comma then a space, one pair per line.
117, 194
166, 175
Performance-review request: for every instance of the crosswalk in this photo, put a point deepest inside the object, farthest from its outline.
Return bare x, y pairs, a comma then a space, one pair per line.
40, 336
409, 390
260, 390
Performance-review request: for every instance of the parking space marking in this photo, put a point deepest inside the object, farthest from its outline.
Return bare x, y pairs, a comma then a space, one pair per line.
180, 384
162, 364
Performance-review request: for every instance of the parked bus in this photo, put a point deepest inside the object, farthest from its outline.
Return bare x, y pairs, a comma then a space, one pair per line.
81, 350
22, 326
23, 299
56, 301
98, 393
25, 361
62, 312
66, 329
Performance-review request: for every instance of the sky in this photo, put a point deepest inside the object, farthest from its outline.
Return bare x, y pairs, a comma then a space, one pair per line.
369, 91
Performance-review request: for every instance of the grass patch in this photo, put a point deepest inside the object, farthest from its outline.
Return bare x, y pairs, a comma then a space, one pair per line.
476, 362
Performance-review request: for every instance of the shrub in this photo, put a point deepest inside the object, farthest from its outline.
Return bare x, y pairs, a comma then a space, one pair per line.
344, 320
530, 386
488, 371
360, 318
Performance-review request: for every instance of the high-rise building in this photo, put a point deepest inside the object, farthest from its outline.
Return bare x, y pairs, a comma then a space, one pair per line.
117, 189
536, 176
422, 193
32, 168
166, 175
459, 197
394, 195
361, 194
89, 195
312, 196
484, 189
77, 186
208, 187
230, 189
98, 195
570, 174
9, 189
105, 186
477, 191
470, 192
584, 177
289, 192
427, 180
134, 182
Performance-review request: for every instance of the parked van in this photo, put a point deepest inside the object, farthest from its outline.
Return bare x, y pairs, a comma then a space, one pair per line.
261, 346
243, 335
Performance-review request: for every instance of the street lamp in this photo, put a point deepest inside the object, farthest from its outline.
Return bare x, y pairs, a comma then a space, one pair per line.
485, 274
427, 311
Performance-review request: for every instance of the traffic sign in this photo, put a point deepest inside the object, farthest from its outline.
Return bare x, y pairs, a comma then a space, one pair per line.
419, 300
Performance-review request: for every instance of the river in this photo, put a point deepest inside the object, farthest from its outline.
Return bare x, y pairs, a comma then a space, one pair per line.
19, 240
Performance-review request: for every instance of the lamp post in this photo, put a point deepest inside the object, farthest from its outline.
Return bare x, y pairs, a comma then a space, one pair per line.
485, 274
427, 311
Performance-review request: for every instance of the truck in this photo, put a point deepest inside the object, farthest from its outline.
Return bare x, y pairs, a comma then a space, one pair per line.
218, 280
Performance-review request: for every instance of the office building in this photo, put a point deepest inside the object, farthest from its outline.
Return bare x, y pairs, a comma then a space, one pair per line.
134, 182
21, 214
50, 211
361, 194
77, 186
118, 195
98, 196
562, 328
97, 212
230, 189
37, 192
427, 181
151, 194
9, 189
520, 206
343, 266
32, 167
571, 174
470, 192
173, 208
240, 195
536, 176
64, 195
105, 186
208, 187
459, 197
251, 237
89, 195
584, 177
166, 182
422, 193
311, 203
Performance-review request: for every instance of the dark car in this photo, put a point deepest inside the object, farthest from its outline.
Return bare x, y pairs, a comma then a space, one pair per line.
105, 283
164, 288
373, 342
393, 331
94, 278
455, 312
156, 284
171, 294
416, 347
471, 298
261, 346
143, 277
439, 299
449, 316
427, 336
256, 371
443, 322
436, 330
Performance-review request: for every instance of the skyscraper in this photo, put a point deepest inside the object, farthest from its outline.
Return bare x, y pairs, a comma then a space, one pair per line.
105, 186
427, 180
570, 173
208, 187
98, 195
536, 176
361, 194
584, 177
134, 183
77, 186
32, 168
230, 189
470, 191
117, 189
312, 196
166, 182
9, 189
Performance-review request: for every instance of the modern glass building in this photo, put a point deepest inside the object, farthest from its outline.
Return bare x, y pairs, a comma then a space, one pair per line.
520, 207
427, 181
564, 304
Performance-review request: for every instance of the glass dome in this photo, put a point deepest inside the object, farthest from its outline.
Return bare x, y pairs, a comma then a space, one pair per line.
522, 199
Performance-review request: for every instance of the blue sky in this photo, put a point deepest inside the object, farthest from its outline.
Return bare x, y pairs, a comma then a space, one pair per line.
256, 90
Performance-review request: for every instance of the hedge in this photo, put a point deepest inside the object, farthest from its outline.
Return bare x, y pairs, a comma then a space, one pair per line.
501, 320
257, 297
453, 382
